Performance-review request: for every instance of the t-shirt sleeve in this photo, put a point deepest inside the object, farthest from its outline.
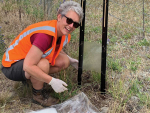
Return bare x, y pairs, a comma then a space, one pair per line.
42, 41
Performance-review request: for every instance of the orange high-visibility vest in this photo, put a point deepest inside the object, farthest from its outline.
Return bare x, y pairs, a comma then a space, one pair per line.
20, 46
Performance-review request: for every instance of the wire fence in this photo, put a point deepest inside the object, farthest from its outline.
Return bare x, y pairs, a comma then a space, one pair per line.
132, 15
139, 14
127, 18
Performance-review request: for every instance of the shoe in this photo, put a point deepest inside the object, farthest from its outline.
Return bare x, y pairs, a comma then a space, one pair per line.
43, 100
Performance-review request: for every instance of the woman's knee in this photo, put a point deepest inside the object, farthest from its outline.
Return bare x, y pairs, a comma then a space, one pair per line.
63, 62
44, 65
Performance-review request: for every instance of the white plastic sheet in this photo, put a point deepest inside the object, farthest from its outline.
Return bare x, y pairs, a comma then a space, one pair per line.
46, 110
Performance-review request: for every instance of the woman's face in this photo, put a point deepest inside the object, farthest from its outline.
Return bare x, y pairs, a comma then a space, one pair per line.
63, 28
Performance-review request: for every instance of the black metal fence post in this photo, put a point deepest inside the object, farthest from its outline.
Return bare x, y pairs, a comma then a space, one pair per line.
81, 43
104, 45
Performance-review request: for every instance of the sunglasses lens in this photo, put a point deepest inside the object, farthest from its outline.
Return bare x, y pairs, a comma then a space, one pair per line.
76, 25
69, 21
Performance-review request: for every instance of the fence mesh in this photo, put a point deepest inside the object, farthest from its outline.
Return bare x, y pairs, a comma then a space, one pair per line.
127, 18
128, 49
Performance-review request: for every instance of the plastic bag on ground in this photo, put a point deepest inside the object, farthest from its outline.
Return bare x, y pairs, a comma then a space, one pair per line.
77, 104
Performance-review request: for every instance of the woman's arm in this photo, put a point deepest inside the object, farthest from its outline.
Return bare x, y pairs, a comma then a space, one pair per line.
30, 65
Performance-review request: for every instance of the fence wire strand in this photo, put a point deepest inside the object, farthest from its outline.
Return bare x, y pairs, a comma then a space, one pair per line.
94, 12
131, 8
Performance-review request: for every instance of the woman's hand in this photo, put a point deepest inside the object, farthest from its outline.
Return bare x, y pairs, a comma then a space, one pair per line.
73, 62
58, 85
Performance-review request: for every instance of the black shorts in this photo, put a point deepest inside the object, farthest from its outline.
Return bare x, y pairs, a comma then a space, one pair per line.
15, 72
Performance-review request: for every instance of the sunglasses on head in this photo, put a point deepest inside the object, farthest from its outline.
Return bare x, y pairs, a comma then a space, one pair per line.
70, 21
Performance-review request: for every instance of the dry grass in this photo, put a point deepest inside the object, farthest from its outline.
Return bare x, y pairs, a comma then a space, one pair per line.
128, 57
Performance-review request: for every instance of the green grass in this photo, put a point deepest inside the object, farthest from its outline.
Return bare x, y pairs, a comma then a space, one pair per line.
127, 36
114, 64
113, 39
5, 97
124, 60
136, 89
2, 45
134, 64
23, 90
96, 77
144, 42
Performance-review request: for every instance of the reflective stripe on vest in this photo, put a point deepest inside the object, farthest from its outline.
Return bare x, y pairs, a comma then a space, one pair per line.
49, 52
66, 40
52, 29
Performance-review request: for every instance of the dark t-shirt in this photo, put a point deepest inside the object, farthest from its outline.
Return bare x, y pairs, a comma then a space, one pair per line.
42, 41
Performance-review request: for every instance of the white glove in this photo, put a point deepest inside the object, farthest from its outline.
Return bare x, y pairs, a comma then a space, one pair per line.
58, 85
73, 62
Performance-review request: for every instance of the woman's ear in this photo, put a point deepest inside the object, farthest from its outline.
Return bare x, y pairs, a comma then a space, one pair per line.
59, 17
